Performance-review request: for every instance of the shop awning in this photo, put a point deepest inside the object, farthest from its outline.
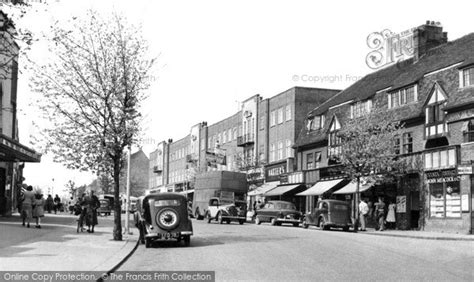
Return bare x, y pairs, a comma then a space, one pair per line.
352, 187
282, 189
320, 187
187, 191
264, 188
12, 151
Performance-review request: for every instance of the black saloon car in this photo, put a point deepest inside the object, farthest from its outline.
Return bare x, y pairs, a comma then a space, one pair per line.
163, 216
330, 213
278, 212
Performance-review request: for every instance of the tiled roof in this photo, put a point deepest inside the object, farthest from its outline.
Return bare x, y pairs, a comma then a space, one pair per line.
399, 75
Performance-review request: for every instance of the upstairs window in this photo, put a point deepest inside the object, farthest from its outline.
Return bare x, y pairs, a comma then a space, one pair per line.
435, 125
468, 131
288, 113
396, 146
280, 115
407, 143
467, 77
272, 118
315, 123
334, 141
403, 96
361, 108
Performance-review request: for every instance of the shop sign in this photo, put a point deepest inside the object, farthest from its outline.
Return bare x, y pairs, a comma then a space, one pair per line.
465, 202
442, 176
464, 169
401, 204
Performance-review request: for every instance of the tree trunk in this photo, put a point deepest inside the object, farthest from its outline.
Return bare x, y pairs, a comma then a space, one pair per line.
117, 207
356, 205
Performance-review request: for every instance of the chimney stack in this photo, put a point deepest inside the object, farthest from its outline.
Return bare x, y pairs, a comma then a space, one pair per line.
428, 36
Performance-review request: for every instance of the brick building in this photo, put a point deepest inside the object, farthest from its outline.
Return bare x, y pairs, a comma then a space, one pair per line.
432, 93
139, 174
257, 139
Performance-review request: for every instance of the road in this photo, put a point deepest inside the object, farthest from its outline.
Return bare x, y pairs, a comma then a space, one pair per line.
286, 253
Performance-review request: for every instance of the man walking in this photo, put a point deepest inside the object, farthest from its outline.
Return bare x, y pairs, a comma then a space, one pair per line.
363, 210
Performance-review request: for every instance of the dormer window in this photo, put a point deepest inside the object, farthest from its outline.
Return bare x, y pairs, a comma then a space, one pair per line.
435, 122
315, 123
361, 108
467, 77
403, 96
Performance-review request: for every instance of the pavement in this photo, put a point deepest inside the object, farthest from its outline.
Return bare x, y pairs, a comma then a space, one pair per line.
58, 247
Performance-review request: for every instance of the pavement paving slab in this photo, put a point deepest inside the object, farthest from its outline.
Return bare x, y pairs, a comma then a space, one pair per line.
58, 247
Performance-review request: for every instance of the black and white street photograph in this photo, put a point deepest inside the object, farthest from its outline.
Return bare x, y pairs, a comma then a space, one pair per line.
265, 140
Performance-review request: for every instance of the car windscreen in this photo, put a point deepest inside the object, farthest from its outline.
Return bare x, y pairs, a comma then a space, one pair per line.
341, 207
286, 206
168, 202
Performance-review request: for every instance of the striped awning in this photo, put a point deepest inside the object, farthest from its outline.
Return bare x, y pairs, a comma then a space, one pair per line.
320, 188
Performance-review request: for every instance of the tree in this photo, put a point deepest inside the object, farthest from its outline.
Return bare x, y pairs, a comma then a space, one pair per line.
368, 149
92, 87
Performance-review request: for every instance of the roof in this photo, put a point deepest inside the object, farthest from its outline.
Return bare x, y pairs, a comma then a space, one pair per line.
399, 75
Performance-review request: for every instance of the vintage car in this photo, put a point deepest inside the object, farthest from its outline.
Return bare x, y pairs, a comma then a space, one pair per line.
278, 212
222, 211
163, 216
329, 213
105, 207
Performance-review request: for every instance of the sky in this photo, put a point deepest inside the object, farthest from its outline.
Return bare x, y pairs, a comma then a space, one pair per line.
214, 54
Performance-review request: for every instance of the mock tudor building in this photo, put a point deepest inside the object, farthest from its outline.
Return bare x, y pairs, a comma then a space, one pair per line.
432, 93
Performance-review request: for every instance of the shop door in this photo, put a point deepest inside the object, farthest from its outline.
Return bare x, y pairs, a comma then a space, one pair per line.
3, 199
414, 209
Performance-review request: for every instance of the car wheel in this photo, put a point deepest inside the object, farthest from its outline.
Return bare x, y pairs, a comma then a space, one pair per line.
345, 228
322, 224
241, 221
208, 216
219, 218
167, 218
296, 224
147, 243
187, 240
273, 221
304, 224
257, 220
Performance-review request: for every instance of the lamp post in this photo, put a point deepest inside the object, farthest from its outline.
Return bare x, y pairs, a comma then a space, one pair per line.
127, 199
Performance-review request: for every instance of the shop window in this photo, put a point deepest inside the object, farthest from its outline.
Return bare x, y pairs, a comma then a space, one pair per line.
440, 159
445, 200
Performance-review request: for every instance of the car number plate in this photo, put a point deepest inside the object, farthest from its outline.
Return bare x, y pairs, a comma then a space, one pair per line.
167, 236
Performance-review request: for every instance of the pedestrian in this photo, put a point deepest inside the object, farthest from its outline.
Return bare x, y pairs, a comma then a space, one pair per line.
38, 210
57, 203
92, 204
380, 213
71, 205
80, 209
391, 215
27, 205
363, 212
49, 203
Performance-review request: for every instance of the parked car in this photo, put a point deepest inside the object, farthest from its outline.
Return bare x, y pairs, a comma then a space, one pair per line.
163, 216
330, 213
278, 212
105, 207
226, 212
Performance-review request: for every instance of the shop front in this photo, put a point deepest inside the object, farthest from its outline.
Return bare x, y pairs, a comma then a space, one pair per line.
13, 155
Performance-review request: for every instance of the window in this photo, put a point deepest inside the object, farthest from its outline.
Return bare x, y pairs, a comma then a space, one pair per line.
262, 123
288, 112
235, 133
445, 199
272, 118
407, 143
289, 150
435, 124
468, 131
403, 96
440, 159
360, 108
280, 115
224, 137
310, 161
272, 152
316, 123
396, 146
280, 150
467, 77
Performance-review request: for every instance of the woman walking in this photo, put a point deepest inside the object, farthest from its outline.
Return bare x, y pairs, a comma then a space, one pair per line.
27, 205
38, 210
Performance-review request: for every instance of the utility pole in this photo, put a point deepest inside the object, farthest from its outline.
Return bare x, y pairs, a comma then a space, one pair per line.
127, 199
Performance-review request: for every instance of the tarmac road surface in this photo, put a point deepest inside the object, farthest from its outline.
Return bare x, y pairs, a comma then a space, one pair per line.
286, 253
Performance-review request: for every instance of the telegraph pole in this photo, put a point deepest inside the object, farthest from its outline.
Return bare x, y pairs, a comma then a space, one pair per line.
127, 199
